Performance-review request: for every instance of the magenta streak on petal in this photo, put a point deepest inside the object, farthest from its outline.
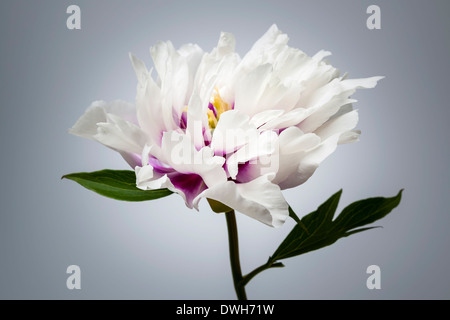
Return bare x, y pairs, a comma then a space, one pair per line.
220, 153
223, 153
247, 172
132, 159
183, 120
206, 138
225, 167
213, 109
191, 184
158, 166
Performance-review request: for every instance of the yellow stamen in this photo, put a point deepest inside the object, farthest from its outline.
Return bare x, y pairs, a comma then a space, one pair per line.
221, 107
212, 120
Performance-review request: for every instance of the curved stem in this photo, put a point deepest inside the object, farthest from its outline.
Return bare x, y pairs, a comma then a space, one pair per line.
234, 255
270, 264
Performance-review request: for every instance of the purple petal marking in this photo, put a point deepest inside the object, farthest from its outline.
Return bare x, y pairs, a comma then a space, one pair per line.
247, 172
183, 120
158, 166
191, 184
132, 159
213, 109
207, 136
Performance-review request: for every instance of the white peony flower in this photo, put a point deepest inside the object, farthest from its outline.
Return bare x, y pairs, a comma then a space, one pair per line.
238, 131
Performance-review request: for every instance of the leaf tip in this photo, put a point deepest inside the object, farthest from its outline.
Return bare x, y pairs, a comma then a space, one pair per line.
399, 195
67, 176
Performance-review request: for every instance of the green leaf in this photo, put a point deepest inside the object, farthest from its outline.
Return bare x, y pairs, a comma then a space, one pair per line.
294, 216
116, 184
318, 229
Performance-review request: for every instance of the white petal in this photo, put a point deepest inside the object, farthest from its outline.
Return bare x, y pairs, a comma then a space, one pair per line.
259, 199
181, 154
162, 55
233, 131
321, 54
226, 45
338, 125
139, 68
86, 126
173, 72
328, 100
272, 37
146, 179
263, 117
192, 54
114, 125
215, 70
286, 84
363, 83
262, 149
197, 117
120, 134
265, 49
250, 88
149, 110
309, 162
294, 145
218, 65
349, 137
292, 75
288, 119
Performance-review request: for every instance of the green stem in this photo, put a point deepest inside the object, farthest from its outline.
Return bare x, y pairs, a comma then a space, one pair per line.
270, 264
234, 255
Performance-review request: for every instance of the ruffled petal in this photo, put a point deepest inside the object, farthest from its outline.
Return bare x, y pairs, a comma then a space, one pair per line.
286, 119
232, 132
180, 153
214, 71
259, 199
147, 179
148, 102
300, 158
175, 80
341, 125
107, 124
328, 100
250, 87
86, 126
265, 49
120, 135
261, 152
294, 146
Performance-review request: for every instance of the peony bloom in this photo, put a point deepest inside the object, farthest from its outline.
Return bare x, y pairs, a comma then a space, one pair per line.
237, 131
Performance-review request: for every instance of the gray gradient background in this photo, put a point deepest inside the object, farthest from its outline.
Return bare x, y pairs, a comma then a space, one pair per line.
161, 249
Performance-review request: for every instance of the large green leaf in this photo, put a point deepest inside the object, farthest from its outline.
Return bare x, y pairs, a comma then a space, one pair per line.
318, 229
116, 184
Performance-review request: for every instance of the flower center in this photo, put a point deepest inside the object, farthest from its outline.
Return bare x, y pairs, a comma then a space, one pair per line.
215, 108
